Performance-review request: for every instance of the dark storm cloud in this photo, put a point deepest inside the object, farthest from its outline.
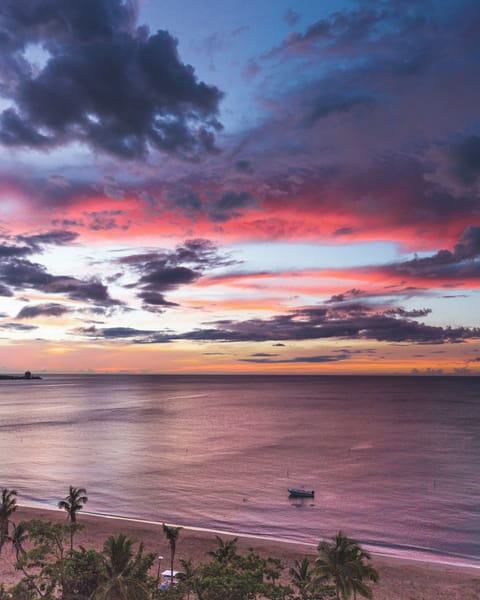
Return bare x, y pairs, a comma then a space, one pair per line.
136, 336
17, 327
12, 251
361, 322
460, 264
201, 253
50, 238
469, 244
363, 114
230, 206
217, 208
107, 84
299, 359
403, 185
155, 299
26, 21
315, 324
244, 166
420, 312
197, 253
360, 302
112, 332
76, 289
68, 222
5, 291
348, 295
39, 310
187, 201
160, 278
105, 220
22, 274
167, 270
465, 158
167, 278
363, 192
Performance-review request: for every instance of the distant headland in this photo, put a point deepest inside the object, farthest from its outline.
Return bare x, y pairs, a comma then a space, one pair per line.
26, 375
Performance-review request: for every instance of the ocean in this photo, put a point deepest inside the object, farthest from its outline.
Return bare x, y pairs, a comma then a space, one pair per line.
394, 461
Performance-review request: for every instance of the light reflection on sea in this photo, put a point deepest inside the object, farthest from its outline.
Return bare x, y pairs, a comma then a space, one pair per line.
394, 461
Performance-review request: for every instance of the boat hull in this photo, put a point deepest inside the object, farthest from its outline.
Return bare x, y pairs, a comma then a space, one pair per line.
296, 493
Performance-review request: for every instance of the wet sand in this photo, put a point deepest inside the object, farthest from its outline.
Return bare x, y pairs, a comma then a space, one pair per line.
399, 579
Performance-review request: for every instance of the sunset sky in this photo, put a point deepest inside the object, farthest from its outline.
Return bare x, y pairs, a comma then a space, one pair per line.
240, 187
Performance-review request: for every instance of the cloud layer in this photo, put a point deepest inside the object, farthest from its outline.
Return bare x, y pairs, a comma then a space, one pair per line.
335, 216
105, 83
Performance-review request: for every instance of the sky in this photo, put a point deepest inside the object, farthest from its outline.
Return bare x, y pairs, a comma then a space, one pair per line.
288, 187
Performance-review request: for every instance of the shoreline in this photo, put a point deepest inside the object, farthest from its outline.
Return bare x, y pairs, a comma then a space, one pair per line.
400, 578
415, 555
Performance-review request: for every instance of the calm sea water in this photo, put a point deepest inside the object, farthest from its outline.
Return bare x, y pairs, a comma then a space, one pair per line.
394, 461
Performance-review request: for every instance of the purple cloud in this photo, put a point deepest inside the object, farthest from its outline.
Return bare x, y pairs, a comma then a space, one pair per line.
39, 310
131, 90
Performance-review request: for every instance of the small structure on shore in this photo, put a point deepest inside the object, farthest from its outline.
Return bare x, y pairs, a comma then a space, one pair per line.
169, 578
26, 375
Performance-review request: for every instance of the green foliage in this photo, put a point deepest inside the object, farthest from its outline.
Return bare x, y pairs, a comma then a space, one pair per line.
226, 550
83, 573
176, 592
53, 570
43, 564
8, 505
230, 575
19, 592
310, 585
125, 573
343, 561
18, 538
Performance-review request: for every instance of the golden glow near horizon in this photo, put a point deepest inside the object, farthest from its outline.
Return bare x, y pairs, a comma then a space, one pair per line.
221, 359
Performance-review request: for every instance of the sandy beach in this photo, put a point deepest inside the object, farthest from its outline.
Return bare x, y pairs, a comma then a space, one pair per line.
399, 579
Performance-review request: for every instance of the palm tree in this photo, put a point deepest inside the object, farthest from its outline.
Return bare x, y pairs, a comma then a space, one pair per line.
302, 577
171, 533
18, 538
124, 574
8, 506
226, 551
364, 572
189, 578
343, 561
74, 502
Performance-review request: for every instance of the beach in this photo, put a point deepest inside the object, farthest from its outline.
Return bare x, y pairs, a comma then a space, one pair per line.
399, 579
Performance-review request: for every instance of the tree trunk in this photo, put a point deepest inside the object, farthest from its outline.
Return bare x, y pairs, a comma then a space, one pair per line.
3, 532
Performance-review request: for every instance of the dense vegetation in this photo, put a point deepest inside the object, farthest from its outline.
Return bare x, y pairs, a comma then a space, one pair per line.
51, 567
